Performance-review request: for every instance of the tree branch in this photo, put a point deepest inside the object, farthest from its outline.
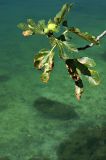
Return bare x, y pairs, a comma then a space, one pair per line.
92, 44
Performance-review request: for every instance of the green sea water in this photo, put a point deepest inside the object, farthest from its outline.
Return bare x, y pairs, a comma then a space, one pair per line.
45, 121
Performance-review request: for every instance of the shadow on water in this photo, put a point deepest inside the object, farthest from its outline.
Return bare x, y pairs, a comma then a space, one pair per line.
4, 158
85, 144
3, 106
38, 158
4, 78
3, 103
54, 109
32, 158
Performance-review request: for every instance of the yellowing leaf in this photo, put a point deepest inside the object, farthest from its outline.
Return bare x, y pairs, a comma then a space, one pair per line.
70, 64
44, 60
27, 33
78, 92
94, 78
40, 59
45, 77
87, 61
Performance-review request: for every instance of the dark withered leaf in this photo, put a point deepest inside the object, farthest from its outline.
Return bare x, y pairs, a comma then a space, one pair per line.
84, 35
84, 65
71, 66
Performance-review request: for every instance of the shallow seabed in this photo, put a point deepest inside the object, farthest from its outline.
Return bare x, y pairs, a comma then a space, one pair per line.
46, 122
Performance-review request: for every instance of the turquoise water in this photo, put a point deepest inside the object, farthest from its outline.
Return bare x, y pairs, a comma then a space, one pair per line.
45, 121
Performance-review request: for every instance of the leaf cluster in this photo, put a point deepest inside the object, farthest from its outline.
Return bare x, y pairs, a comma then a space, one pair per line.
33, 27
44, 60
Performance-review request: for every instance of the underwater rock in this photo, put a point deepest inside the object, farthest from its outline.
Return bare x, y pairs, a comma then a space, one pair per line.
54, 109
85, 144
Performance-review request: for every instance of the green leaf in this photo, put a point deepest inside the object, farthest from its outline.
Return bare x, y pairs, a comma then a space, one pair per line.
61, 14
23, 26
67, 36
62, 53
84, 35
70, 47
41, 24
37, 28
31, 22
32, 25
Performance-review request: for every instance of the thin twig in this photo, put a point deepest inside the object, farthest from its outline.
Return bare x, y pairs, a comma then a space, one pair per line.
92, 44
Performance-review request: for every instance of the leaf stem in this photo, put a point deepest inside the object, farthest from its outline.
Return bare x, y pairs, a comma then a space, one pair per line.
53, 48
